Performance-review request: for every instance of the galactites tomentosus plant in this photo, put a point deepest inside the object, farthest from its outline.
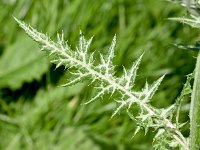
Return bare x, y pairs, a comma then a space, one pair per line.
193, 20
83, 67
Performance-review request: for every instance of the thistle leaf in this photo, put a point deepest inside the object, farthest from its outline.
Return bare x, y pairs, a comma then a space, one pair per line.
107, 82
168, 112
193, 21
122, 104
111, 54
150, 92
130, 79
136, 131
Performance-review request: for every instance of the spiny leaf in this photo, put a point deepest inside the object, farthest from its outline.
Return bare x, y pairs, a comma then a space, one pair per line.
122, 104
185, 91
159, 133
111, 51
84, 46
193, 21
136, 131
130, 79
168, 112
111, 55
151, 91
107, 82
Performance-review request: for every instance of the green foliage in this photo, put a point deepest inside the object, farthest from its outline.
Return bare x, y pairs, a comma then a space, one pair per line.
45, 115
42, 108
82, 65
25, 69
193, 21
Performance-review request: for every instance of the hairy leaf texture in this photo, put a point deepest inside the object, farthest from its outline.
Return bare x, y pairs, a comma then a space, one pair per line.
83, 66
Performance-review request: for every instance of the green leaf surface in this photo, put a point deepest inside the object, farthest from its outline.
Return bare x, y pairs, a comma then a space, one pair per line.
21, 62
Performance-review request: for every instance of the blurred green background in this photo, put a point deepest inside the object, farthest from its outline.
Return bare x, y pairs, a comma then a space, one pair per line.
35, 113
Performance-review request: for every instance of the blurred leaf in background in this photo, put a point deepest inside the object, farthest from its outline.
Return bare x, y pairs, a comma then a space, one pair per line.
37, 114
21, 62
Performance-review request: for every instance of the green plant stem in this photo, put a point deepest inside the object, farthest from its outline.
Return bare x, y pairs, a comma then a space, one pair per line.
195, 109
